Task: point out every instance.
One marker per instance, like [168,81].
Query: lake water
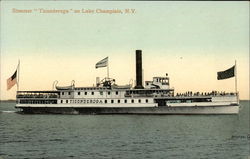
[123,136]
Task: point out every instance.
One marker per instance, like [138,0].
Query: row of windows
[90,88]
[125,101]
[190,100]
[105,101]
[92,93]
[38,101]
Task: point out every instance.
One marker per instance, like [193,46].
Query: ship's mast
[108,70]
[18,72]
[236,90]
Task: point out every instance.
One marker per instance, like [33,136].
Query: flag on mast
[12,81]
[226,74]
[102,63]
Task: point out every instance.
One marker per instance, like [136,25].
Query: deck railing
[39,95]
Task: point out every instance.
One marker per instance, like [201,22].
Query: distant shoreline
[9,100]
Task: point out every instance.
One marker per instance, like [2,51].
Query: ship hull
[164,110]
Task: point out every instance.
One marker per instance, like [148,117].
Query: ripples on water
[123,136]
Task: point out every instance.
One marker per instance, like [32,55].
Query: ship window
[62,93]
[108,93]
[116,92]
[61,101]
[69,93]
[92,93]
[132,101]
[101,92]
[139,101]
[85,93]
[79,93]
[66,101]
[105,101]
[125,101]
[112,101]
[146,100]
[118,101]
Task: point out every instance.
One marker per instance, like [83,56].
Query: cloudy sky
[190,41]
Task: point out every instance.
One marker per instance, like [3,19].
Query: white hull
[134,110]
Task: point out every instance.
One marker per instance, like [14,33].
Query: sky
[191,41]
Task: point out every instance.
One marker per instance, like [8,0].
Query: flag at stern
[12,81]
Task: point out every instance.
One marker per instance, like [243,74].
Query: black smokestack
[138,70]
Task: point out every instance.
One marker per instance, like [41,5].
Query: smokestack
[138,70]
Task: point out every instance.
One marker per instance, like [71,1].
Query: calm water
[123,136]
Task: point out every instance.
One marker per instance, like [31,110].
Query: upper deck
[35,97]
[38,94]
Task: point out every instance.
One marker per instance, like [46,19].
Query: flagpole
[18,71]
[236,91]
[108,70]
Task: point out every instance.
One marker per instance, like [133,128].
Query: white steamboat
[156,97]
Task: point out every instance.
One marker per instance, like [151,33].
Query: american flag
[12,81]
[102,63]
